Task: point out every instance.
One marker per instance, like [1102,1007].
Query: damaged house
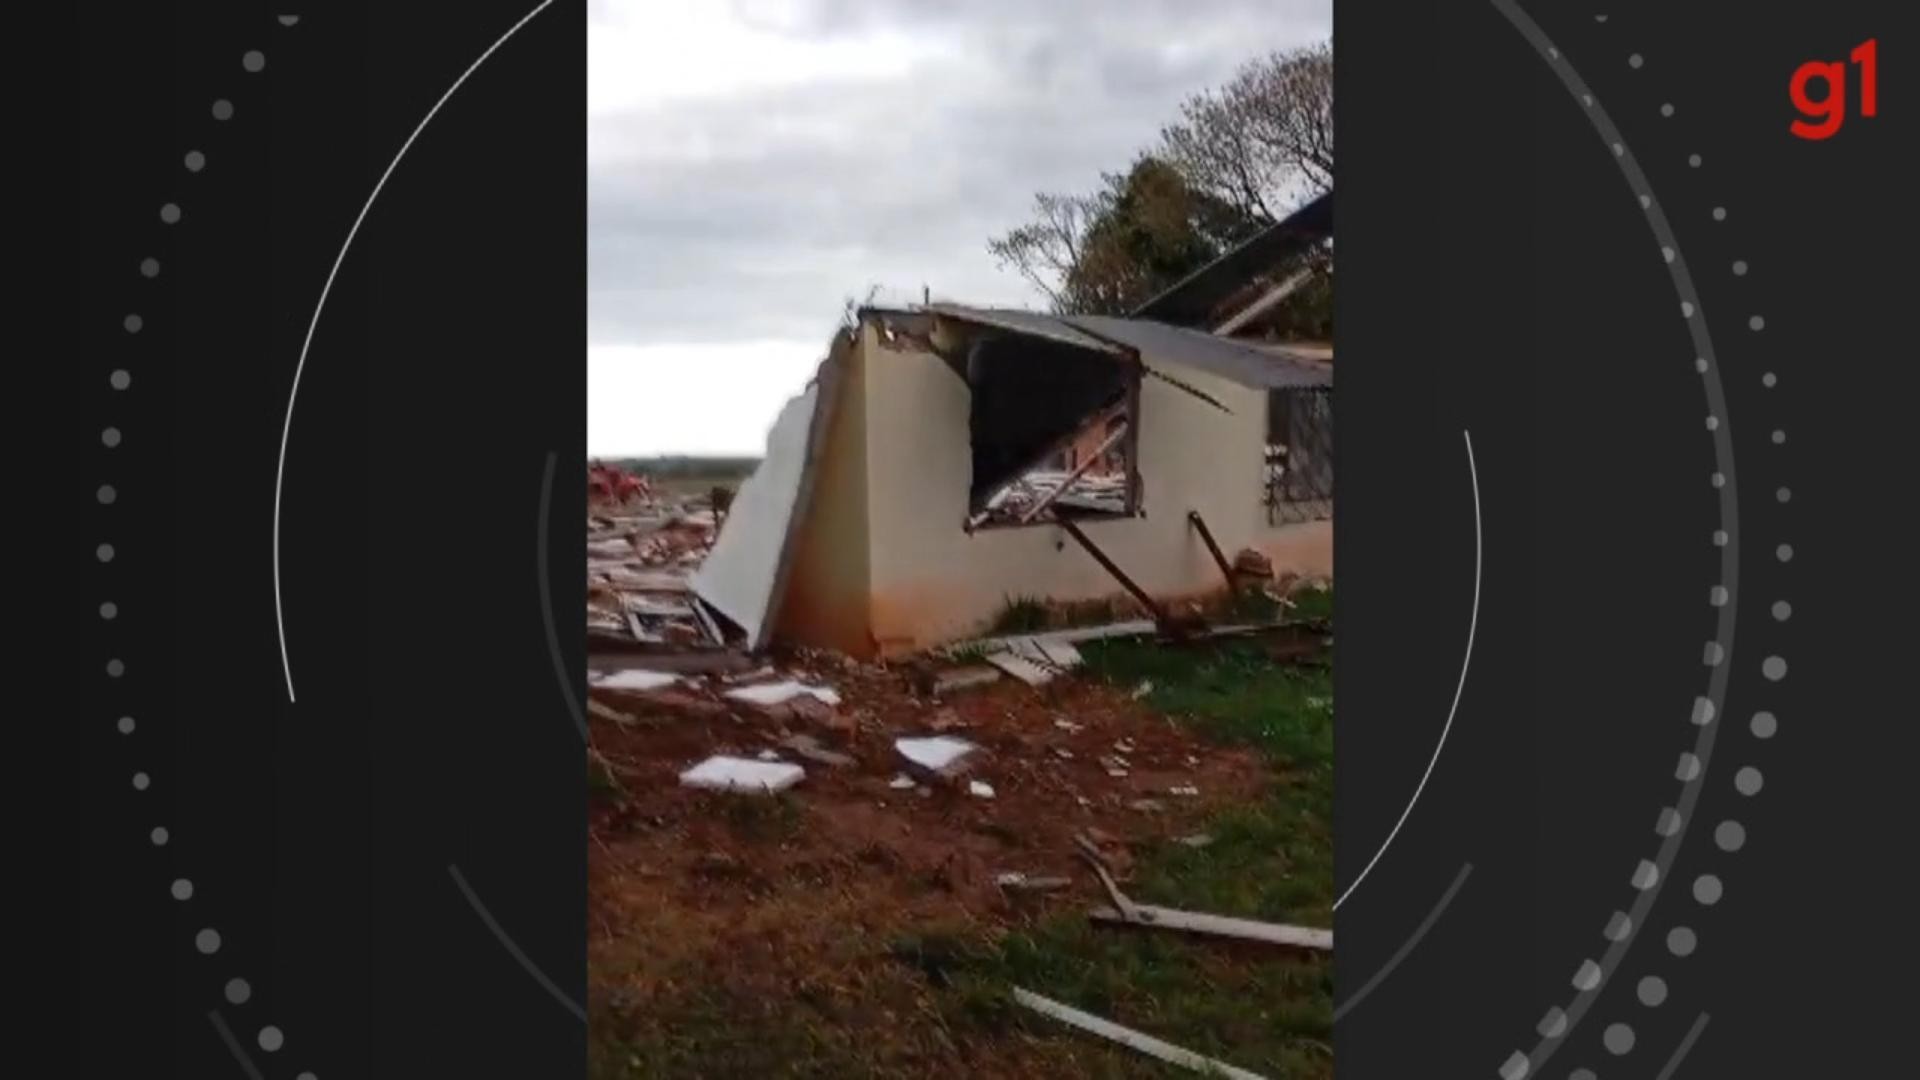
[947,460]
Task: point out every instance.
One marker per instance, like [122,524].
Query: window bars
[1299,467]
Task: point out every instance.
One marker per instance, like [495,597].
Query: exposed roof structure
[1030,323]
[1152,343]
[1249,365]
[1190,301]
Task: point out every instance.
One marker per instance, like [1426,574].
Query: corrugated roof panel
[1158,343]
[1037,324]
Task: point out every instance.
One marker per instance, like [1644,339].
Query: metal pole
[1226,569]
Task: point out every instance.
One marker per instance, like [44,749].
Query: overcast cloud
[751,165]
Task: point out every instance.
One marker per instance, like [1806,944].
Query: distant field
[679,475]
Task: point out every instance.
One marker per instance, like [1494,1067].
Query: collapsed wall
[863,528]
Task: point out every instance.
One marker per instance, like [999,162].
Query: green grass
[1272,859]
[758,818]
[1313,605]
[1022,615]
[601,782]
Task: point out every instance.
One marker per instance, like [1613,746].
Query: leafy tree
[1106,253]
[1235,161]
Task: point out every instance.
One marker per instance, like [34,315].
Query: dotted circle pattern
[208,942]
[1730,835]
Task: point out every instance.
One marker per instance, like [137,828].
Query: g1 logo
[1823,118]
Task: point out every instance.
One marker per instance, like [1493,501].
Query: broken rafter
[706,620]
[1265,304]
[1148,915]
[1074,476]
[1128,1037]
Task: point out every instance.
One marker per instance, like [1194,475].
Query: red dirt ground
[756,902]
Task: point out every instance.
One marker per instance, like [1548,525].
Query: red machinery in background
[610,483]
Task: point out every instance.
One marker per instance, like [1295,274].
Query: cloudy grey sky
[751,164]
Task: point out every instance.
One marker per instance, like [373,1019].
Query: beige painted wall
[1305,549]
[827,588]
[931,582]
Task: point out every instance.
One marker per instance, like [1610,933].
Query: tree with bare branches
[1108,252]
[1264,136]
[1046,249]
[1237,158]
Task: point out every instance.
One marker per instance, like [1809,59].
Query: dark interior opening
[1028,396]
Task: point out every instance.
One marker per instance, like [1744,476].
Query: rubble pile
[865,729]
[640,556]
[1099,493]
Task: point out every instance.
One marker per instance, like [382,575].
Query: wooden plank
[1146,1044]
[1073,636]
[707,623]
[1264,304]
[1148,915]
[1078,471]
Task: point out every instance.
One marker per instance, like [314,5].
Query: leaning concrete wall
[826,598]
[932,582]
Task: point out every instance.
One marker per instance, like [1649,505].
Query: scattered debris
[1145,688]
[598,708]
[782,692]
[1035,660]
[610,549]
[808,747]
[1183,789]
[634,679]
[1197,840]
[1147,806]
[939,753]
[966,678]
[1135,914]
[980,790]
[1219,926]
[1063,753]
[946,720]
[763,673]
[720,773]
[1027,496]
[901,782]
[1091,853]
[768,755]
[1128,1037]
[1067,726]
[1019,881]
